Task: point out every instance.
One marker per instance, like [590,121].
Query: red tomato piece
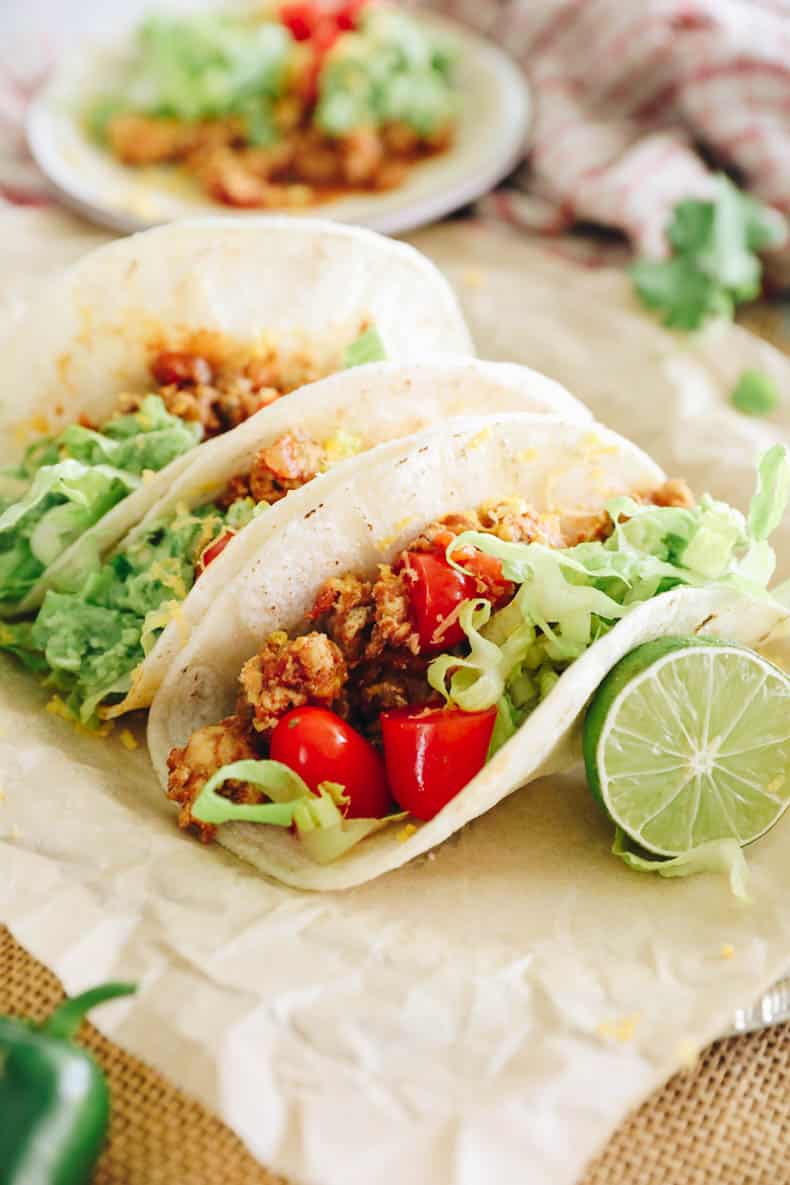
[435,592]
[211,551]
[432,753]
[347,15]
[325,34]
[300,19]
[321,747]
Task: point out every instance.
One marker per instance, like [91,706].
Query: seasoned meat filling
[206,751]
[291,461]
[363,654]
[286,174]
[220,397]
[289,673]
[287,464]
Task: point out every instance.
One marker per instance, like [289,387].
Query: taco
[452,604]
[154,344]
[106,634]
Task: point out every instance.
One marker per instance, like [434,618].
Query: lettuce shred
[317,818]
[567,598]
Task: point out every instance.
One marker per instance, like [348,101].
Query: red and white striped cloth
[624,92]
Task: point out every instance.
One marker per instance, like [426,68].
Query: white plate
[491,137]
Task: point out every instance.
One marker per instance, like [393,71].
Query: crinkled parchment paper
[488,1014]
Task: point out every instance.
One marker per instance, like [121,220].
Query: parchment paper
[486,1015]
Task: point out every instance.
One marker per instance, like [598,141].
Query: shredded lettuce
[568,598]
[92,633]
[203,66]
[768,504]
[318,818]
[393,70]
[63,501]
[368,347]
[70,481]
[721,855]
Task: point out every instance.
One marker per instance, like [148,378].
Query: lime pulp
[687,741]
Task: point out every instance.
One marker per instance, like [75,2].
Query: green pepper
[54,1101]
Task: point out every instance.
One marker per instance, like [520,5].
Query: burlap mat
[727,1122]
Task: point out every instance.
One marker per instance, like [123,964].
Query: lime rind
[687,742]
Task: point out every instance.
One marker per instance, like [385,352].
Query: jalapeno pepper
[54,1102]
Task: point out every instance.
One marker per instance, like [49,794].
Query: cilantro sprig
[714,263]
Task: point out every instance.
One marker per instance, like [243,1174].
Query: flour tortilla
[378,403]
[299,284]
[374,509]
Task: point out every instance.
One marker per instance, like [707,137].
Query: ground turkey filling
[301,168]
[289,462]
[363,654]
[219,394]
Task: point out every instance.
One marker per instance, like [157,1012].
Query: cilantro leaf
[713,264]
[684,294]
[691,225]
[755,394]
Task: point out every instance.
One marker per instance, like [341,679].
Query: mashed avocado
[72,480]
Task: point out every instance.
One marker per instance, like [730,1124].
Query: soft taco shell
[379,402]
[374,508]
[299,285]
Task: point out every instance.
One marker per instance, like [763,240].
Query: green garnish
[568,598]
[318,818]
[755,394]
[70,481]
[368,347]
[90,641]
[714,263]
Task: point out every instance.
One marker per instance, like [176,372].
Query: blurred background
[634,103]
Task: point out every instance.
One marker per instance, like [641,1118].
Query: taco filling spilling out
[89,642]
[284,107]
[66,483]
[403,683]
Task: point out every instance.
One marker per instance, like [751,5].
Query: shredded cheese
[399,527]
[56,707]
[167,573]
[622,1029]
[37,425]
[687,1053]
[406,833]
[473,277]
[481,438]
[727,950]
[128,739]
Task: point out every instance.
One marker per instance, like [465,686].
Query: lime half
[687,741]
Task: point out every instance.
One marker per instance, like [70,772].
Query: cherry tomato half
[431,753]
[437,590]
[347,15]
[321,747]
[300,19]
[210,553]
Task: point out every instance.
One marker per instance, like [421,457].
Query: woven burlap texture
[727,1122]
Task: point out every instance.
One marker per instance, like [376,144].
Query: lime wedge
[687,741]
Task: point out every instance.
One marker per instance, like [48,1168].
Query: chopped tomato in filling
[366,655]
[219,395]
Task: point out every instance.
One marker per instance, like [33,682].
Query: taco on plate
[154,344]
[105,635]
[421,639]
